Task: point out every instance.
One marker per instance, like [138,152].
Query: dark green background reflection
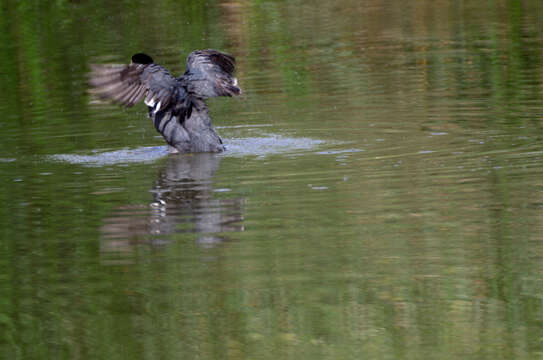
[381,197]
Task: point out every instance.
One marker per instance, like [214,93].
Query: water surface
[381,195]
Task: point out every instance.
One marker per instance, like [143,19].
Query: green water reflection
[381,198]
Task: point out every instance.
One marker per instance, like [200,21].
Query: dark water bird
[176,105]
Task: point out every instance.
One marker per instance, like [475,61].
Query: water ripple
[238,147]
[142,154]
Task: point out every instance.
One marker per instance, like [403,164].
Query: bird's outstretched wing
[210,73]
[129,84]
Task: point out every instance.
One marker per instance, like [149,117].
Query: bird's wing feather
[210,73]
[129,84]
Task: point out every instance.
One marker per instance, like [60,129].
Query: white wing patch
[150,102]
[157,107]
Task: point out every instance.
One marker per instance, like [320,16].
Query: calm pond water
[381,196]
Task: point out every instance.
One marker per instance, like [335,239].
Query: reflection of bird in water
[176,105]
[184,201]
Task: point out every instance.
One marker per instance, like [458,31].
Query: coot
[176,105]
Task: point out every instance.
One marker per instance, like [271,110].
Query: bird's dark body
[176,105]
[191,134]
